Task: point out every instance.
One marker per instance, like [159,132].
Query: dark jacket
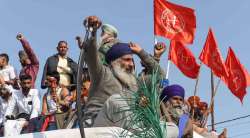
[51,66]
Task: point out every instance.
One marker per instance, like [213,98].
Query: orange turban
[203,105]
[193,99]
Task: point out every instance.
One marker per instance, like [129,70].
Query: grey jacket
[103,82]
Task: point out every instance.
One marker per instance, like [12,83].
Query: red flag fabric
[237,80]
[211,56]
[183,58]
[174,22]
[248,80]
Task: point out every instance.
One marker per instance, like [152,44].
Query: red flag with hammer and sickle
[183,58]
[211,56]
[174,22]
[238,78]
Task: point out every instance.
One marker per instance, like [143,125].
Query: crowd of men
[110,74]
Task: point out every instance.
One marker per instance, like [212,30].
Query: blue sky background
[45,22]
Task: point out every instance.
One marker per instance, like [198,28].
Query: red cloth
[183,58]
[211,56]
[238,78]
[45,124]
[248,79]
[174,22]
[48,119]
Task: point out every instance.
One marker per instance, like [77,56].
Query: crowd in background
[109,74]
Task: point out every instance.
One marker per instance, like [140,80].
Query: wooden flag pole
[212,102]
[195,88]
[197,81]
[216,88]
[210,105]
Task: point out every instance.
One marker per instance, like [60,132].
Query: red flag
[237,80]
[211,56]
[174,22]
[248,80]
[183,58]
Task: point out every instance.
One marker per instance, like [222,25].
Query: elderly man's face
[106,38]
[127,63]
[176,101]
[62,49]
[123,69]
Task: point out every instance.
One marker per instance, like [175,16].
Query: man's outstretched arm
[28,50]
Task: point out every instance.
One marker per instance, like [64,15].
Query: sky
[45,22]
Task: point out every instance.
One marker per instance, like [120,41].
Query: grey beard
[126,78]
[176,112]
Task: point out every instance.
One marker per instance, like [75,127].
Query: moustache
[177,106]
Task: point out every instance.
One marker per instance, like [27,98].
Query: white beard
[127,78]
[176,112]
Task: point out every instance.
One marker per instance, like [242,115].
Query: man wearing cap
[28,59]
[64,65]
[116,77]
[107,40]
[173,98]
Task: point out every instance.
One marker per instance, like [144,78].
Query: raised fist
[159,49]
[19,36]
[92,22]
[79,41]
[78,38]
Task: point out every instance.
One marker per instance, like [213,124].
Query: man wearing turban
[117,76]
[194,111]
[173,98]
[108,38]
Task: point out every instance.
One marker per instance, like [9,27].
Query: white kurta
[8,73]
[29,105]
[4,104]
[63,70]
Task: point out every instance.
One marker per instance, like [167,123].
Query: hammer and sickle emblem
[171,22]
[181,53]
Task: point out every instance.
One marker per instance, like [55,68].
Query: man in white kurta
[7,72]
[26,101]
[5,99]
